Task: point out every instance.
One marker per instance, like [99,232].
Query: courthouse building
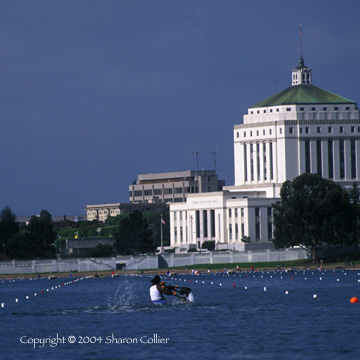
[302,129]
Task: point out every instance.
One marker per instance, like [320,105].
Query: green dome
[303,94]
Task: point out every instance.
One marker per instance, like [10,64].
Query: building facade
[302,129]
[173,186]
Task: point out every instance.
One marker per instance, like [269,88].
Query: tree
[40,236]
[9,230]
[154,220]
[134,235]
[354,194]
[101,250]
[313,212]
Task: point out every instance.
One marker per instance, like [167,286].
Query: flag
[163,221]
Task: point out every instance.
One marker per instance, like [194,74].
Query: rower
[157,290]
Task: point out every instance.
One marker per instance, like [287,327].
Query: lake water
[260,315]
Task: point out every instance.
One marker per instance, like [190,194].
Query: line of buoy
[27,297]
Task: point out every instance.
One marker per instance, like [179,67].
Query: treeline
[36,240]
[134,233]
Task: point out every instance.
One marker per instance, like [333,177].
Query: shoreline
[173,271]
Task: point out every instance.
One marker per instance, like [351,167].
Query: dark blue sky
[93,93]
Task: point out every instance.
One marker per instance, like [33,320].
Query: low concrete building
[172,187]
[103,211]
[82,246]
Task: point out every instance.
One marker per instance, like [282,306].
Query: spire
[302,74]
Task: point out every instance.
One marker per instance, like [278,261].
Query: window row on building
[341,129]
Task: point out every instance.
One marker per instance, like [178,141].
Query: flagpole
[162,243]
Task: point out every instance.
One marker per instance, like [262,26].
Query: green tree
[41,236]
[101,250]
[9,231]
[154,220]
[134,235]
[313,212]
[354,194]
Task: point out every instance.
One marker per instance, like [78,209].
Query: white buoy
[16,300]
[286,292]
[27,297]
[264,288]
[35,294]
[245,287]
[2,305]
[314,296]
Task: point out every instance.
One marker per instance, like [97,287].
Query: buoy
[354,300]
[286,292]
[264,288]
[233,285]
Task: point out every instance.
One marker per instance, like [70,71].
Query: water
[266,315]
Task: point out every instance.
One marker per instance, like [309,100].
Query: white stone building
[302,129]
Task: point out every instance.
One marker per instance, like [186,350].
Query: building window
[290,130]
[236,212]
[271,161]
[300,130]
[313,109]
[336,108]
[306,130]
[257,231]
[347,108]
[324,108]
[264,161]
[229,213]
[307,156]
[341,129]
[237,134]
[245,164]
[244,133]
[353,129]
[270,131]
[329,129]
[205,227]
[288,109]
[302,109]
[212,222]
[258,160]
[353,159]
[318,129]
[342,159]
[252,161]
[318,157]
[330,159]
[197,223]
